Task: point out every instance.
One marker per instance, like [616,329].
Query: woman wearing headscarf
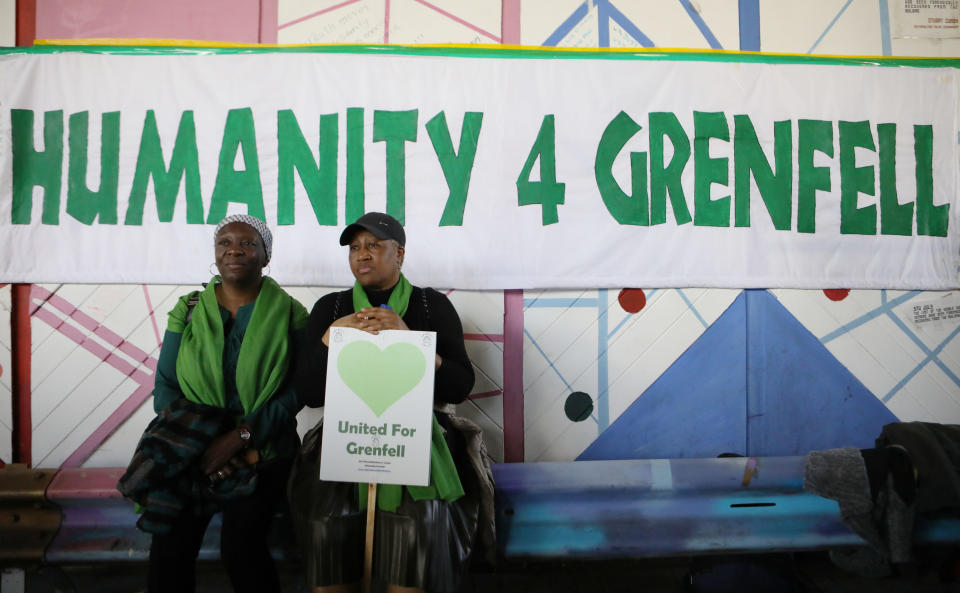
[424,535]
[225,432]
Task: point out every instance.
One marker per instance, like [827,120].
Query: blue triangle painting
[756,383]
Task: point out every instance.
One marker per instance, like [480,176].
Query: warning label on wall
[942,311]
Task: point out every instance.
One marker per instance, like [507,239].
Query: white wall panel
[77,415]
[315,22]
[69,364]
[584,33]
[669,25]
[8,27]
[539,18]
[845,27]
[460,22]
[117,450]
[878,343]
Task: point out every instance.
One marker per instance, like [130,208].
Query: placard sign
[379,404]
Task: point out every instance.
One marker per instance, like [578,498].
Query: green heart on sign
[381,377]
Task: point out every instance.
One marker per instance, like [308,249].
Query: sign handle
[368,549]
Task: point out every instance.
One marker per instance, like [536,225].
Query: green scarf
[265,354]
[444,481]
[399,299]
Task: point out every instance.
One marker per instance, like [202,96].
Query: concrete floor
[799,573]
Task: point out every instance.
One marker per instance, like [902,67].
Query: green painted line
[506,52]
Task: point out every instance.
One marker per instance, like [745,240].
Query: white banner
[509,169]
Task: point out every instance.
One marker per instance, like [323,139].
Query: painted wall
[214,20]
[8,20]
[631,372]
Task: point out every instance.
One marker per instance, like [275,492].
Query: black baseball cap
[383,226]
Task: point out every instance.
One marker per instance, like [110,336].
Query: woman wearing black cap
[420,543]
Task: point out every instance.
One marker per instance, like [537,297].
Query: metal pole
[20,379]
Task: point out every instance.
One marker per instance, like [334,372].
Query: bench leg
[13,580]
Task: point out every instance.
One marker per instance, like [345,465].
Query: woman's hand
[377,319]
[220,451]
[369,319]
[243,458]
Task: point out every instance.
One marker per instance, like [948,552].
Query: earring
[214,271]
[267,272]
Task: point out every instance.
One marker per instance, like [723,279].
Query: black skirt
[424,543]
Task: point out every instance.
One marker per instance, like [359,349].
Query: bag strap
[191,303]
[426,307]
[336,307]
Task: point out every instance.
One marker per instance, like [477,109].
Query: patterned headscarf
[257,224]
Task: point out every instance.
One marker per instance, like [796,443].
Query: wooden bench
[99,525]
[671,507]
[548,510]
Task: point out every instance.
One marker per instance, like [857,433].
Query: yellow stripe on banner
[659,51]
[107,45]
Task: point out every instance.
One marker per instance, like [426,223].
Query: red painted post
[20,307]
[26,21]
[513,425]
[20,379]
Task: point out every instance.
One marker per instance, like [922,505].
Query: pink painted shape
[71,332]
[120,364]
[95,348]
[132,351]
[38,298]
[74,483]
[109,426]
[87,322]
[132,403]
[209,20]
[153,317]
[486,394]
[108,336]
[510,22]
[386,21]
[316,14]
[513,424]
[457,19]
[268,21]
[484,337]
